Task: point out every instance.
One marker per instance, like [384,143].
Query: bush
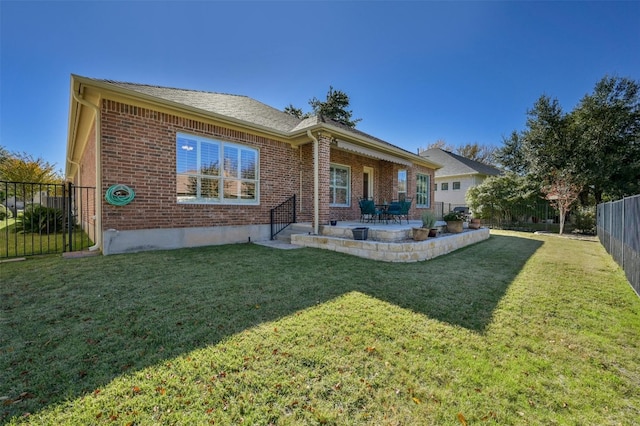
[40,219]
[5,212]
[454,216]
[584,219]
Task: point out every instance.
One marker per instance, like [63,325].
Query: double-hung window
[444,186]
[339,185]
[213,171]
[456,186]
[423,187]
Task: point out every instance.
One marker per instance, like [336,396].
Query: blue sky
[415,71]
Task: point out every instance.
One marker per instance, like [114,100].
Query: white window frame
[222,176]
[444,186]
[403,177]
[427,194]
[332,181]
[454,186]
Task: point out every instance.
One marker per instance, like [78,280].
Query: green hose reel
[119,195]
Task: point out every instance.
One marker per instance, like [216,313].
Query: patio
[386,242]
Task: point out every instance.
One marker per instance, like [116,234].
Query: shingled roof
[456,165]
[235,106]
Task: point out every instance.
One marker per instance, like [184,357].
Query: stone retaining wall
[401,251]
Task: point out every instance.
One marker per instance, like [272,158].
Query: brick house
[207,168]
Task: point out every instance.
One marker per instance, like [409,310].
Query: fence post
[69,216]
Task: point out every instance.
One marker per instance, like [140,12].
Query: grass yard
[518,329]
[15,244]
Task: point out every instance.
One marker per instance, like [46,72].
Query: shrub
[585,219]
[5,212]
[40,219]
[454,216]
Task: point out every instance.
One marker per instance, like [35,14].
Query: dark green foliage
[38,219]
[5,213]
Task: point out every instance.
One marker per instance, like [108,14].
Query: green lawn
[16,244]
[518,329]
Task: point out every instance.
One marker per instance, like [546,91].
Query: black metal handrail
[283,216]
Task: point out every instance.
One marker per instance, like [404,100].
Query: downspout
[75,164]
[98,200]
[316,191]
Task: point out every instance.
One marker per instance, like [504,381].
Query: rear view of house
[201,168]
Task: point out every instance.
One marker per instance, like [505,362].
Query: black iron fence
[618,224]
[45,218]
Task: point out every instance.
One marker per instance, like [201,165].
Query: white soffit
[371,153]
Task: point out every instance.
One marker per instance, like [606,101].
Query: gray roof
[455,165]
[239,107]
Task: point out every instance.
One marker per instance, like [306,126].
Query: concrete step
[294,228]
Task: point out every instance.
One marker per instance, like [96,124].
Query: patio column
[322,189]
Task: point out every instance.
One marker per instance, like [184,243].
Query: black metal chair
[368,211]
[399,209]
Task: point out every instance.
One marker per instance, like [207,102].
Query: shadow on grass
[72,326]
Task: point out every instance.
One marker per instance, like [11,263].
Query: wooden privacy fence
[45,218]
[618,225]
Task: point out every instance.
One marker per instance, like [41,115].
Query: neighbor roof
[455,165]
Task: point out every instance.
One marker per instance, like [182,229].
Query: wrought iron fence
[45,218]
[618,224]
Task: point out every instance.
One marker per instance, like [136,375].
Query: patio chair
[399,209]
[368,211]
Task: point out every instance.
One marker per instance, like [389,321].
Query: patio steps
[294,228]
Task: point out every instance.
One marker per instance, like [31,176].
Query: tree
[22,167]
[503,196]
[473,151]
[335,107]
[561,191]
[296,112]
[4,154]
[511,155]
[607,125]
[476,152]
[598,143]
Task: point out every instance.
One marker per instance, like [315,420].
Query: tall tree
[511,155]
[335,107]
[548,143]
[607,125]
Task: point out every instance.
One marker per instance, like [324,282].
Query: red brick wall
[138,150]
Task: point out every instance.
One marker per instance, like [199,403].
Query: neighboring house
[207,168]
[456,176]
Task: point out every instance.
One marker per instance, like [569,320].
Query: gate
[45,218]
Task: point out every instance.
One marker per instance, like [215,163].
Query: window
[444,186]
[423,186]
[402,184]
[339,184]
[456,185]
[212,171]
